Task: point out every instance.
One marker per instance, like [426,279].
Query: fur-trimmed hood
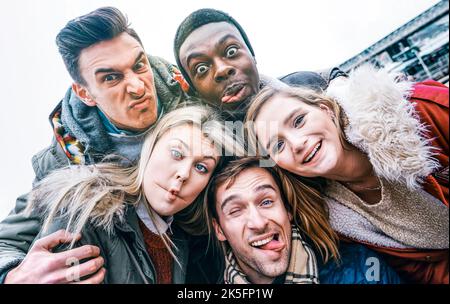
[385,125]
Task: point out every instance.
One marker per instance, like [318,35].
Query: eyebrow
[192,56]
[232,197]
[285,122]
[187,148]
[222,40]
[225,38]
[110,70]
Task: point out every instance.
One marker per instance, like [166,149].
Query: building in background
[419,49]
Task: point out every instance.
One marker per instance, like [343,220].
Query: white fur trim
[384,124]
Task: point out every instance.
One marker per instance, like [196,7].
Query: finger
[76,272]
[95,279]
[74,256]
[54,239]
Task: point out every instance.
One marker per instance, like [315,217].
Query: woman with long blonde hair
[129,212]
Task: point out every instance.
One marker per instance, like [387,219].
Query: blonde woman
[128,212]
[375,140]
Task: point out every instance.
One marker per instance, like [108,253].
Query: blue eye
[201,168]
[176,154]
[266,203]
[298,120]
[231,51]
[278,147]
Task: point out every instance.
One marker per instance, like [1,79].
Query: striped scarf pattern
[302,267]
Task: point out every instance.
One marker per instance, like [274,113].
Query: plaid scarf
[302,267]
[71,146]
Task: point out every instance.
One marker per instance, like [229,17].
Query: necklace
[359,188]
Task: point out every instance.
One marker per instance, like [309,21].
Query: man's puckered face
[120,82]
[220,64]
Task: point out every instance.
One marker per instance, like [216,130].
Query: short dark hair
[104,23]
[196,20]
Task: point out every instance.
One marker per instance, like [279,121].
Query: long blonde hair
[96,193]
[304,201]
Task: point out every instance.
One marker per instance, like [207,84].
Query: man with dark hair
[118,93]
[216,58]
[250,210]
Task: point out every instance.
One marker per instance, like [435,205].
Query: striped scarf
[302,267]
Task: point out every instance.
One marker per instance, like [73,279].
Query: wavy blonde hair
[96,193]
[309,210]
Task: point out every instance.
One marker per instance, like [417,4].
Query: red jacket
[431,100]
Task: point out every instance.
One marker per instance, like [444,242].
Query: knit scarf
[302,267]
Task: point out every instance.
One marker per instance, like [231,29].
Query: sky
[287,35]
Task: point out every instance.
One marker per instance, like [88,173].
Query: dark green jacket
[17,231]
[124,252]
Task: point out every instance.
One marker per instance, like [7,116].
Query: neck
[257,278]
[355,171]
[253,275]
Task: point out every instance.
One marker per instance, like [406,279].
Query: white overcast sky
[286,36]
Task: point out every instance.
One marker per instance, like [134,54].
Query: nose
[256,221]
[297,143]
[136,87]
[182,174]
[223,71]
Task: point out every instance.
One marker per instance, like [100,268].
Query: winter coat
[403,128]
[123,248]
[81,123]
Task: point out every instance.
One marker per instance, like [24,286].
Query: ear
[327,109]
[291,218]
[219,233]
[83,94]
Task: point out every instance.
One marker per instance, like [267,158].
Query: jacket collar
[383,123]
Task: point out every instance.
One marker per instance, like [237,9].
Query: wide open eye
[231,51]
[201,69]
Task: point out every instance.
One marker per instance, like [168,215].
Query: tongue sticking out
[272,245]
[234,96]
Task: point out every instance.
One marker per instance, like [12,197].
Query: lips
[234,92]
[135,103]
[171,194]
[312,153]
[270,242]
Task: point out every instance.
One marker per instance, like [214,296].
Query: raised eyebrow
[193,56]
[261,188]
[223,39]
